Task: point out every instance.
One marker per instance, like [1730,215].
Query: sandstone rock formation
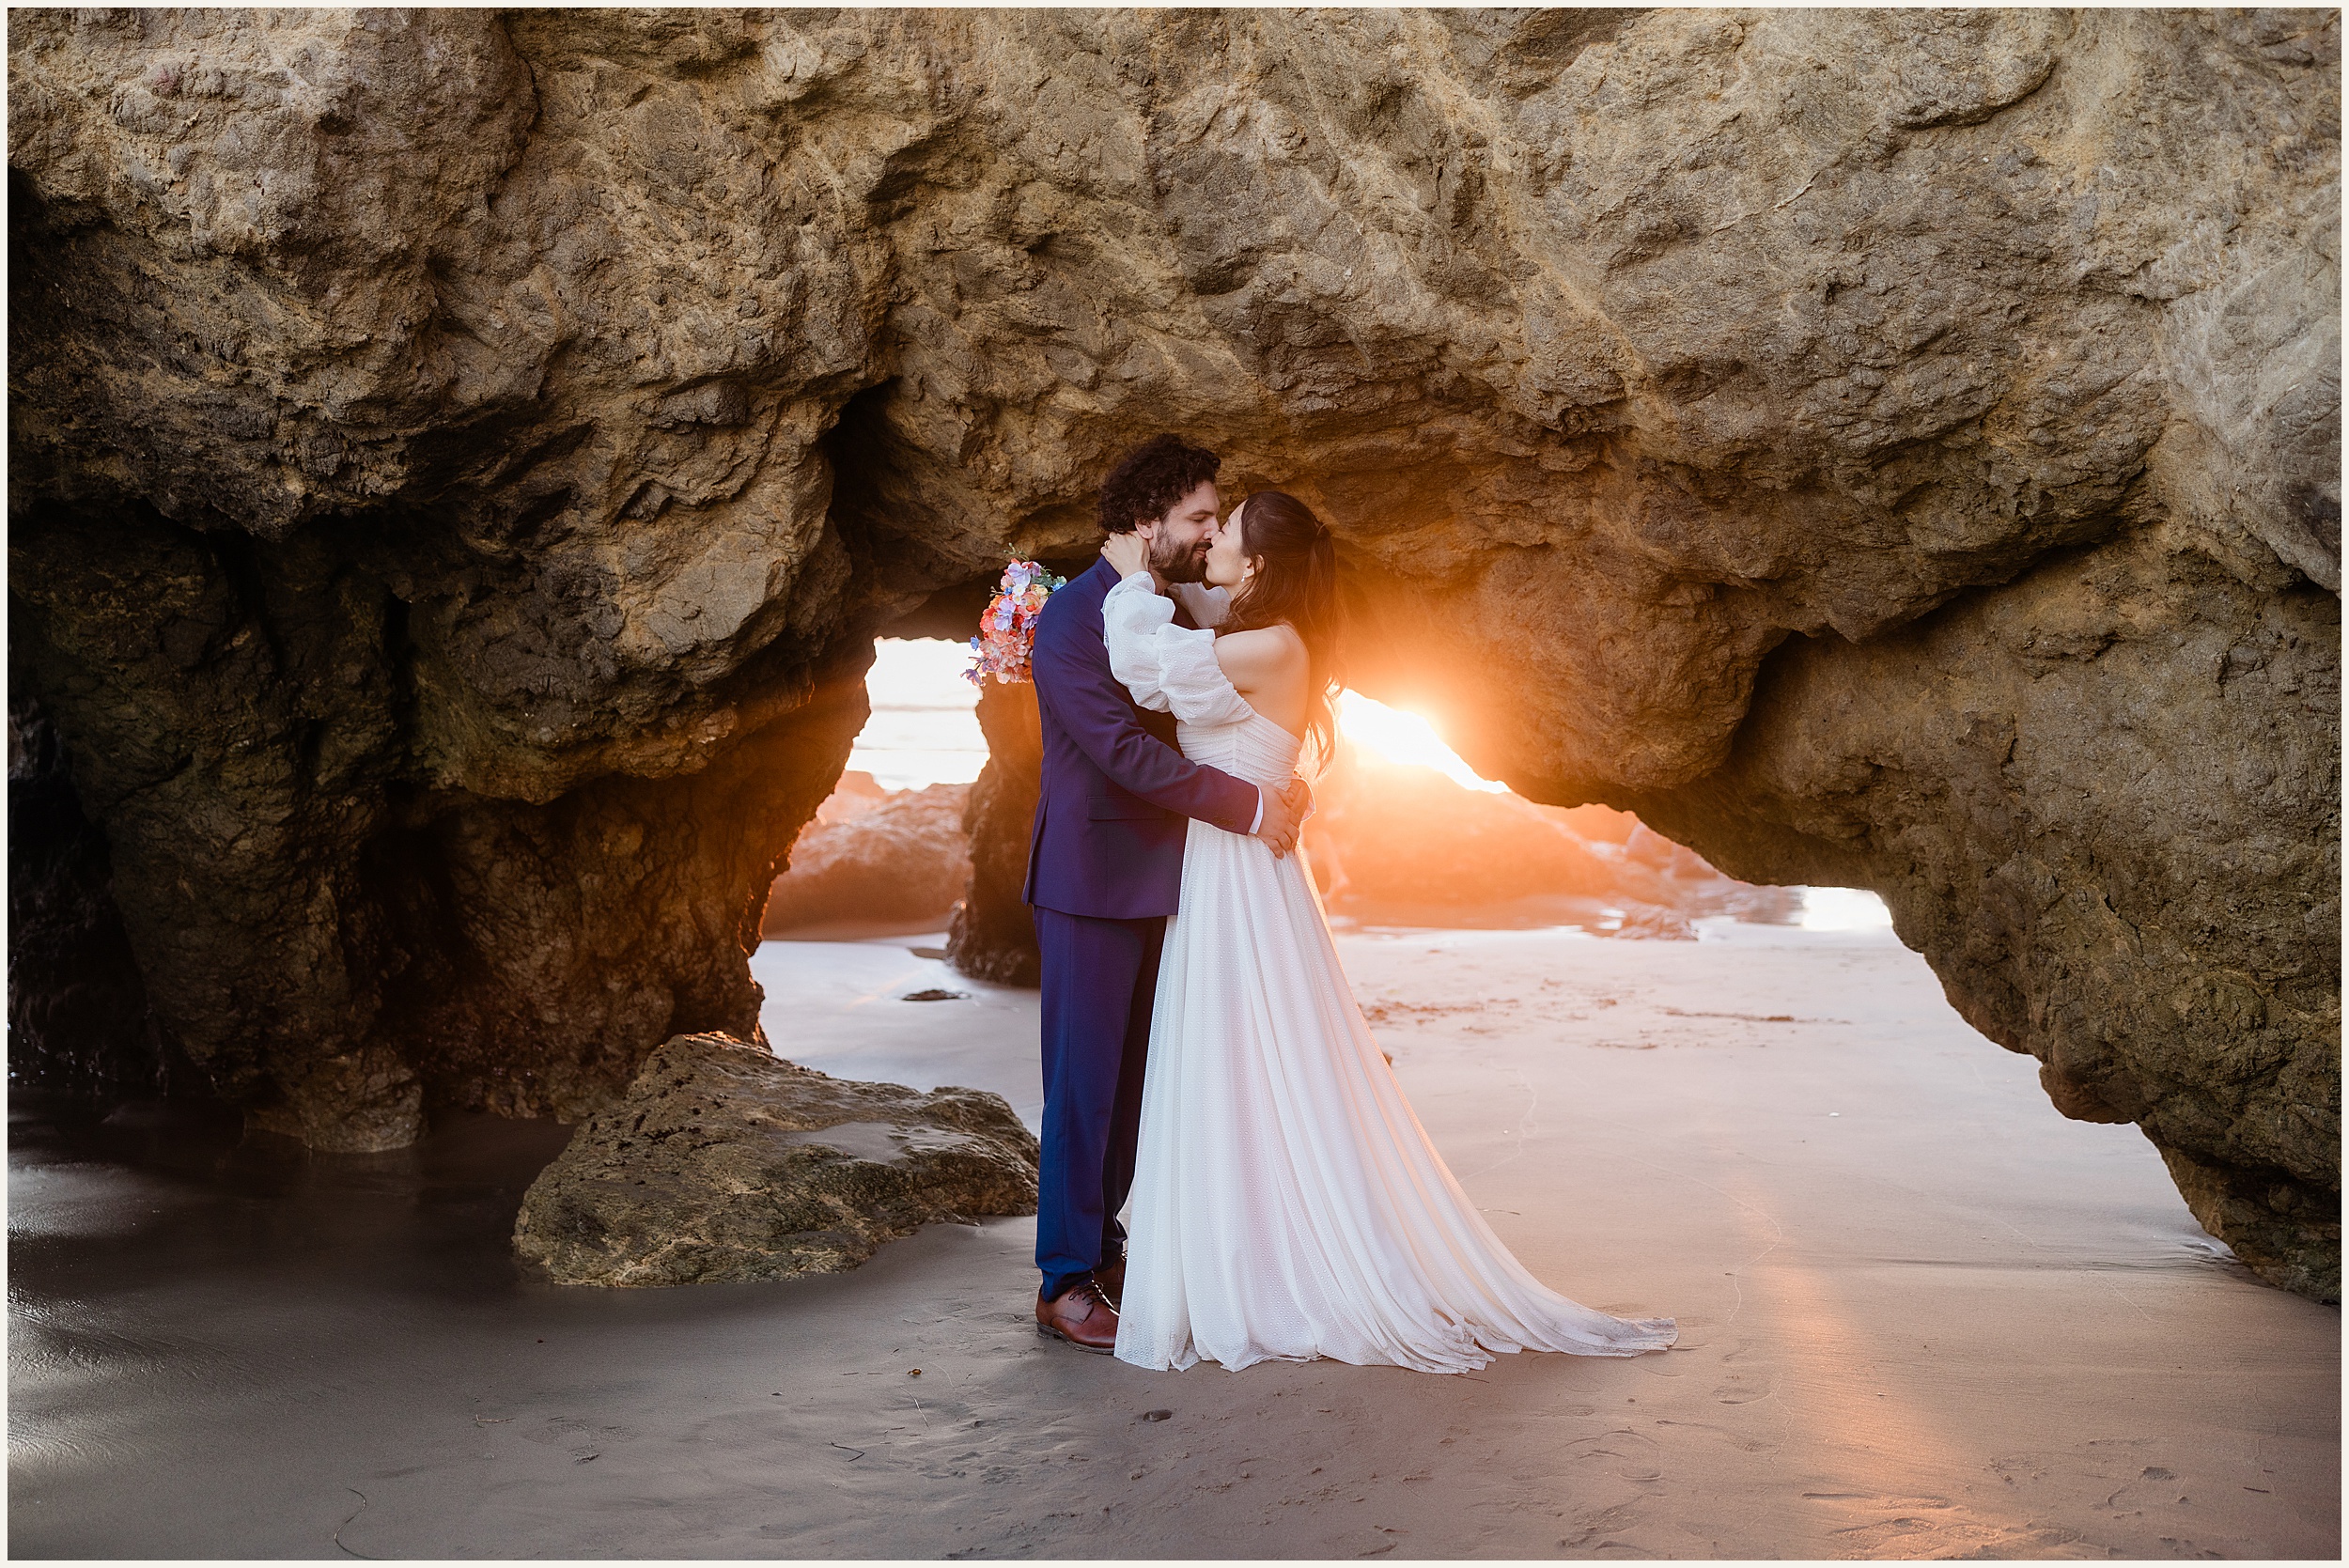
[71,974]
[1406,844]
[992,936]
[903,859]
[723,1163]
[1410,835]
[458,457]
[2115,830]
[857,793]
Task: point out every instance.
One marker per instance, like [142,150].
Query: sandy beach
[1923,1315]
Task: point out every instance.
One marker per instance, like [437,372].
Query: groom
[1104,868]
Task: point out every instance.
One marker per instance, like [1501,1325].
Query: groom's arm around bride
[1142,770]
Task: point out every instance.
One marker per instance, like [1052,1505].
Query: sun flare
[1405,737]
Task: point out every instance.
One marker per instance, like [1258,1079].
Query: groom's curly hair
[1147,481]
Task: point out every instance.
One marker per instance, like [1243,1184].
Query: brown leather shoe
[1082,1316]
[1113,1281]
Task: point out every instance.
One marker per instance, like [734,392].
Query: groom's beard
[1180,563]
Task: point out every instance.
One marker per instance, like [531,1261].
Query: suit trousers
[1100,977]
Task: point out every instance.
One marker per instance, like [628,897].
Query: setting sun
[1405,737]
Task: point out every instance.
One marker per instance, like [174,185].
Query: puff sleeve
[1167,668]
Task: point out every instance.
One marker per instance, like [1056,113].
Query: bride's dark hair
[1295,581]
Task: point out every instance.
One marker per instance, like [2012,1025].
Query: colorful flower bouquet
[1007,628]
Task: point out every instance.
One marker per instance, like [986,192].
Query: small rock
[1656,924]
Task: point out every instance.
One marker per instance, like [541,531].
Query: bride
[1286,1204]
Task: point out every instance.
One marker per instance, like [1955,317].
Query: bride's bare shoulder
[1265,654]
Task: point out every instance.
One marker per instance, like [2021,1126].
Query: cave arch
[1840,440]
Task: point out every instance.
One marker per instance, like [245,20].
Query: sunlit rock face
[458,460]
[2111,815]
[992,936]
[904,857]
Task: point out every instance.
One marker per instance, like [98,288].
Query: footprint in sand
[586,1442]
[1884,1526]
[1737,1440]
[1740,1386]
[1634,1453]
[1600,1528]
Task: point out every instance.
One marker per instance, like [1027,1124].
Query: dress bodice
[1251,747]
[1173,669]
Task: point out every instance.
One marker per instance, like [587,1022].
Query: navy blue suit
[1105,867]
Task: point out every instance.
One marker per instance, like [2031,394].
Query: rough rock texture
[71,974]
[857,793]
[2127,774]
[723,1163]
[992,936]
[458,456]
[904,859]
[327,931]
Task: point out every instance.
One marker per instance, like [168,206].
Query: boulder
[1652,850]
[1406,844]
[1599,824]
[1384,834]
[723,1163]
[857,793]
[902,858]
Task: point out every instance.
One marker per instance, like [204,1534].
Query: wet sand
[1923,1315]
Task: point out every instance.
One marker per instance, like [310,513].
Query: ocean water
[925,727]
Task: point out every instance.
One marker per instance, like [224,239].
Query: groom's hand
[1280,821]
[1300,796]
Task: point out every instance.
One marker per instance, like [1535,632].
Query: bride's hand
[1126,554]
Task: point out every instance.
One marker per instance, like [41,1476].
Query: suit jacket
[1110,820]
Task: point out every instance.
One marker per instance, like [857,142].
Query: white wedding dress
[1286,1204]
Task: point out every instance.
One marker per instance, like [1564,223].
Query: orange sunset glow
[923,730]
[1398,736]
